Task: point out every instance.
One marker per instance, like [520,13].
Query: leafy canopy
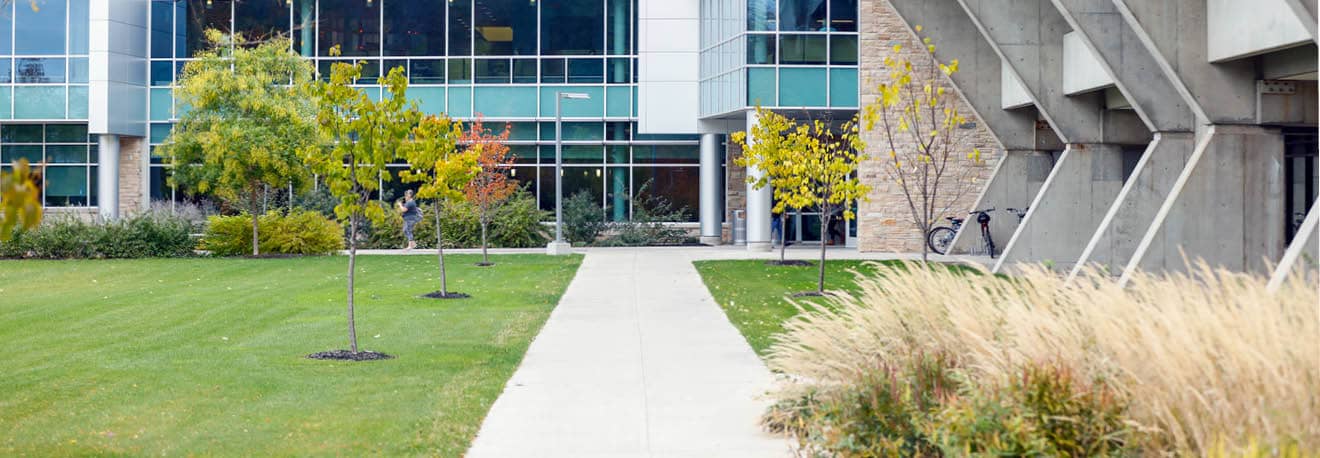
[20,199]
[365,135]
[436,161]
[491,186]
[250,119]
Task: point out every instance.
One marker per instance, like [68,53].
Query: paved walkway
[637,360]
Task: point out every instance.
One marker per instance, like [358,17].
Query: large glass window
[38,70]
[843,15]
[79,34]
[304,27]
[762,15]
[572,27]
[802,49]
[505,28]
[415,27]
[680,186]
[353,25]
[40,30]
[68,158]
[617,20]
[261,19]
[460,27]
[162,29]
[802,15]
[203,15]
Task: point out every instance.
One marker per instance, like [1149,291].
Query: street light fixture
[559,246]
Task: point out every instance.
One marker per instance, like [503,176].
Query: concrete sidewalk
[636,361]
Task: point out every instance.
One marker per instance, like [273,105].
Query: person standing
[411,215]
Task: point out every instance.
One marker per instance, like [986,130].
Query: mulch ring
[345,355]
[811,294]
[485,264]
[448,295]
[789,263]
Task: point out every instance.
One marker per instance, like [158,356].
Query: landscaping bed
[209,356]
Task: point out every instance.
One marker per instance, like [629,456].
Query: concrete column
[1126,222]
[712,188]
[1014,184]
[1068,208]
[1226,207]
[107,175]
[759,201]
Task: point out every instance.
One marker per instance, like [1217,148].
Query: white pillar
[712,189]
[107,175]
[759,201]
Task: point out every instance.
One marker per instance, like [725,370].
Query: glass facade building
[778,54]
[502,60]
[43,97]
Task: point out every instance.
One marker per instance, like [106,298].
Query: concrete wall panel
[1272,24]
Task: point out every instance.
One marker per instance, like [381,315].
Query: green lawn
[206,356]
[755,295]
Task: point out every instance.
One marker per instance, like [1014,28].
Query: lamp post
[559,246]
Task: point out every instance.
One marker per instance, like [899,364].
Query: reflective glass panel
[843,49]
[761,49]
[505,28]
[493,71]
[802,87]
[586,71]
[203,15]
[66,133]
[460,27]
[261,19]
[617,20]
[553,71]
[40,31]
[353,25]
[6,71]
[524,71]
[12,153]
[304,27]
[679,186]
[21,133]
[427,71]
[39,102]
[802,49]
[460,71]
[843,87]
[162,29]
[414,27]
[66,186]
[78,102]
[162,73]
[616,193]
[79,33]
[38,70]
[802,15]
[66,154]
[762,15]
[6,35]
[620,70]
[843,15]
[572,27]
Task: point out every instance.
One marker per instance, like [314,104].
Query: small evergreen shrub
[149,235]
[584,218]
[301,232]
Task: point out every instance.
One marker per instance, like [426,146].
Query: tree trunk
[783,235]
[440,250]
[824,232]
[485,259]
[255,250]
[352,261]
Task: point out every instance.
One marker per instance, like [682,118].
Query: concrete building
[1135,132]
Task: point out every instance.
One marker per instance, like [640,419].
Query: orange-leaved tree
[491,187]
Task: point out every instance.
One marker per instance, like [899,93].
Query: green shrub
[302,232]
[1044,412]
[584,218]
[151,234]
[517,224]
[649,225]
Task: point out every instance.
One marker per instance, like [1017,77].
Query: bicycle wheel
[939,239]
[989,242]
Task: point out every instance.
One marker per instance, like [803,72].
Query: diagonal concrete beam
[1303,255]
[1306,11]
[1028,35]
[978,80]
[1129,64]
[1174,32]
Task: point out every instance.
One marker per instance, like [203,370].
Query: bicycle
[939,239]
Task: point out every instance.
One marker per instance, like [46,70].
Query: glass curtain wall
[779,54]
[43,61]
[503,60]
[66,156]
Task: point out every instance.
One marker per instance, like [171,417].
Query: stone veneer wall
[735,185]
[886,221]
[132,173]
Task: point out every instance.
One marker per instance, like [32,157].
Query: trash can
[740,227]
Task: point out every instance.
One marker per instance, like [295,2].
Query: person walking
[411,215]
[776,229]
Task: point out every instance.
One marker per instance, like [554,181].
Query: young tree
[443,171]
[365,136]
[772,149]
[491,186]
[920,122]
[20,200]
[826,176]
[250,122]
